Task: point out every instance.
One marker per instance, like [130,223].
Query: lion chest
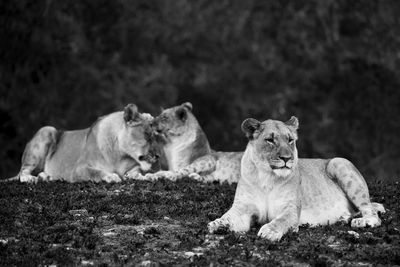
[275,203]
[177,156]
[271,200]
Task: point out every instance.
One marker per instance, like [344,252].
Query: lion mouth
[161,135]
[280,167]
[159,132]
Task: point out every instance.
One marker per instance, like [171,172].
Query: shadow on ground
[164,223]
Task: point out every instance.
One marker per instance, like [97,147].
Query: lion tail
[11,179]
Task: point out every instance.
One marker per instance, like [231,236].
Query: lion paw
[133,175]
[161,174]
[371,221]
[112,178]
[137,176]
[44,177]
[196,176]
[268,232]
[150,177]
[217,224]
[27,178]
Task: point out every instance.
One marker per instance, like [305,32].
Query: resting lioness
[188,152]
[112,146]
[278,188]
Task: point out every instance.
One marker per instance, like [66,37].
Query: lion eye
[270,140]
[291,140]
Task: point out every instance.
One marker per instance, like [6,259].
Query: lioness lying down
[187,151]
[284,191]
[112,146]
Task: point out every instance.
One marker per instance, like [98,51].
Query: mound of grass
[164,223]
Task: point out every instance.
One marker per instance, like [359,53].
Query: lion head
[136,137]
[173,122]
[273,144]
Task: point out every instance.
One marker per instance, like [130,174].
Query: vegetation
[334,64]
[164,223]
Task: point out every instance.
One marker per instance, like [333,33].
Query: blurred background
[333,64]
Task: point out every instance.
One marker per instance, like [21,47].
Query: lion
[116,145]
[187,150]
[282,191]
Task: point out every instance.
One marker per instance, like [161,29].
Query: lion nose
[157,127]
[284,158]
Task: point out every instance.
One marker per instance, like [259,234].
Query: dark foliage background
[334,64]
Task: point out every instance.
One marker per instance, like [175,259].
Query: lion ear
[249,126]
[293,122]
[181,113]
[188,105]
[131,113]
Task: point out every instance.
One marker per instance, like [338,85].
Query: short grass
[164,223]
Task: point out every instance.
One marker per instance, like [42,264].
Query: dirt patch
[164,223]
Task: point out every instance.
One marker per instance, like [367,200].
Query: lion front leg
[134,174]
[236,219]
[88,173]
[354,186]
[200,166]
[288,219]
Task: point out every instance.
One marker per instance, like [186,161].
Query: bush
[334,64]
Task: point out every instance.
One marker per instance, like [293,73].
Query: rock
[148,263]
[353,233]
[330,239]
[87,262]
[79,213]
[191,254]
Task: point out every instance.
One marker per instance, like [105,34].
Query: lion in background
[283,191]
[116,145]
[187,151]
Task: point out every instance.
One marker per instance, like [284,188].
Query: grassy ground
[164,223]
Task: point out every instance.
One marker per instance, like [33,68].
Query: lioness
[112,146]
[278,188]
[188,152]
